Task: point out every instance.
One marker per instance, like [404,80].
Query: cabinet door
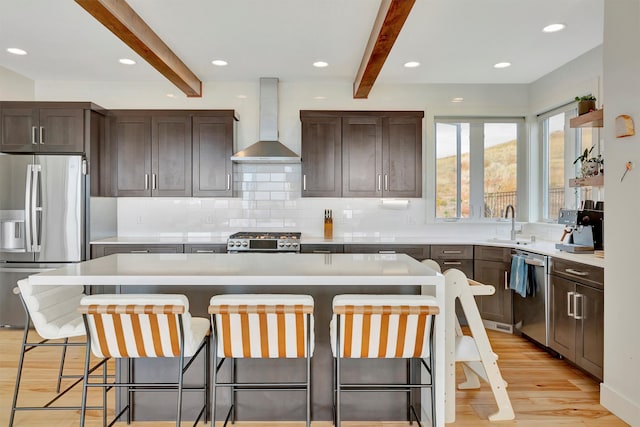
[171,155]
[98,251]
[212,151]
[590,329]
[131,140]
[321,249]
[321,157]
[205,249]
[499,306]
[402,157]
[19,130]
[61,130]
[362,157]
[563,325]
[418,252]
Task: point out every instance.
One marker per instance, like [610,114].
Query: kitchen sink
[511,242]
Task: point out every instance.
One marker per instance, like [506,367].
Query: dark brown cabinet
[418,252]
[131,144]
[212,150]
[577,314]
[492,266]
[101,250]
[220,248]
[454,256]
[362,153]
[320,248]
[32,127]
[321,156]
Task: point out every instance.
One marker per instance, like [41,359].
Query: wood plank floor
[544,391]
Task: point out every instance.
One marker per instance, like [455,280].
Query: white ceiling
[456,41]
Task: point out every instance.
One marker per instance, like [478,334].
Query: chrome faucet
[513,220]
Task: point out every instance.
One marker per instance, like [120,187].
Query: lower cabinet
[320,248]
[98,251]
[455,256]
[492,266]
[577,322]
[205,249]
[418,252]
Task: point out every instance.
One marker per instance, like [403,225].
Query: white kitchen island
[200,276]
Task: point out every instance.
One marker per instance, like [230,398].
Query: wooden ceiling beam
[390,20]
[129,27]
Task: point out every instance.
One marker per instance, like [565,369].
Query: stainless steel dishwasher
[531,314]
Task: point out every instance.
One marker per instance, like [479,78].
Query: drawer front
[205,249]
[321,249]
[464,265]
[492,253]
[457,252]
[418,252]
[104,250]
[578,272]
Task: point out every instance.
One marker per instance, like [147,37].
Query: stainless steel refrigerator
[43,210]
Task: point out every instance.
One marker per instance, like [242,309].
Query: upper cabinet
[44,127]
[362,153]
[171,153]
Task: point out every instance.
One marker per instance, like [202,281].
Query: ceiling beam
[391,17]
[129,27]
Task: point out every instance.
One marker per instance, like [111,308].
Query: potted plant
[586,104]
[590,165]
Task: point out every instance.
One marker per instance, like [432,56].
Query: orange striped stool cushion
[383,326]
[141,325]
[262,325]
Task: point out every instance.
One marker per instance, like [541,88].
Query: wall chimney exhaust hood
[268,149]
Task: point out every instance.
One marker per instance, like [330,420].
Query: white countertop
[244,269]
[540,247]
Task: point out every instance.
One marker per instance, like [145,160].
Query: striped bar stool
[384,326]
[261,326]
[53,312]
[139,326]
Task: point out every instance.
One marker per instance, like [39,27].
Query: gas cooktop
[255,241]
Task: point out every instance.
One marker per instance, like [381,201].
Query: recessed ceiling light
[127,61]
[502,65]
[320,97]
[412,64]
[320,64]
[171,95]
[553,28]
[219,62]
[16,51]
[241,96]
[458,99]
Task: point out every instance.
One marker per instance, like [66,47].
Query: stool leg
[19,374]
[64,353]
[409,391]
[234,380]
[83,404]
[308,384]
[104,394]
[337,376]
[180,381]
[207,358]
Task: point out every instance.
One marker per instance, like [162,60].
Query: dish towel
[519,273]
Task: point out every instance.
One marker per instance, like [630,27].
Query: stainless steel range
[251,241]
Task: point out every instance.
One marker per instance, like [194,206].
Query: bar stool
[143,326]
[53,312]
[261,326]
[384,326]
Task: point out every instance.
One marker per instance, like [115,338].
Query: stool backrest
[124,326]
[53,309]
[384,326]
[262,326]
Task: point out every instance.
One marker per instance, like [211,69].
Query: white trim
[620,405]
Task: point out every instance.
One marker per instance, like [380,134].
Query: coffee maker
[585,228]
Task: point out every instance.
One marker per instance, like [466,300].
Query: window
[560,146]
[476,166]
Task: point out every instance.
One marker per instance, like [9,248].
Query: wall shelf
[592,119]
[590,181]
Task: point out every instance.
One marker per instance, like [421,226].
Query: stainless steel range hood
[268,149]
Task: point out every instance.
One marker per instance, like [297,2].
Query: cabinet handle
[228,181]
[506,280]
[321,251]
[576,305]
[146,181]
[386,252]
[576,272]
[41,134]
[386,182]
[452,263]
[569,300]
[145,251]
[34,135]
[203,251]
[452,252]
[304,182]
[153,181]
[379,182]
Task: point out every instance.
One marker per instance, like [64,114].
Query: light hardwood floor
[544,391]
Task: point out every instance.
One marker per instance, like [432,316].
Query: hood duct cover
[268,149]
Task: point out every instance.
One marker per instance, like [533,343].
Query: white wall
[15,87]
[621,389]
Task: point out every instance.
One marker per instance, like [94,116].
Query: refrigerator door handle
[35,209]
[27,209]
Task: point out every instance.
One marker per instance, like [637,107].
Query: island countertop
[244,269]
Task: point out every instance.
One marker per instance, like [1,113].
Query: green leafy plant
[584,157]
[585,98]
